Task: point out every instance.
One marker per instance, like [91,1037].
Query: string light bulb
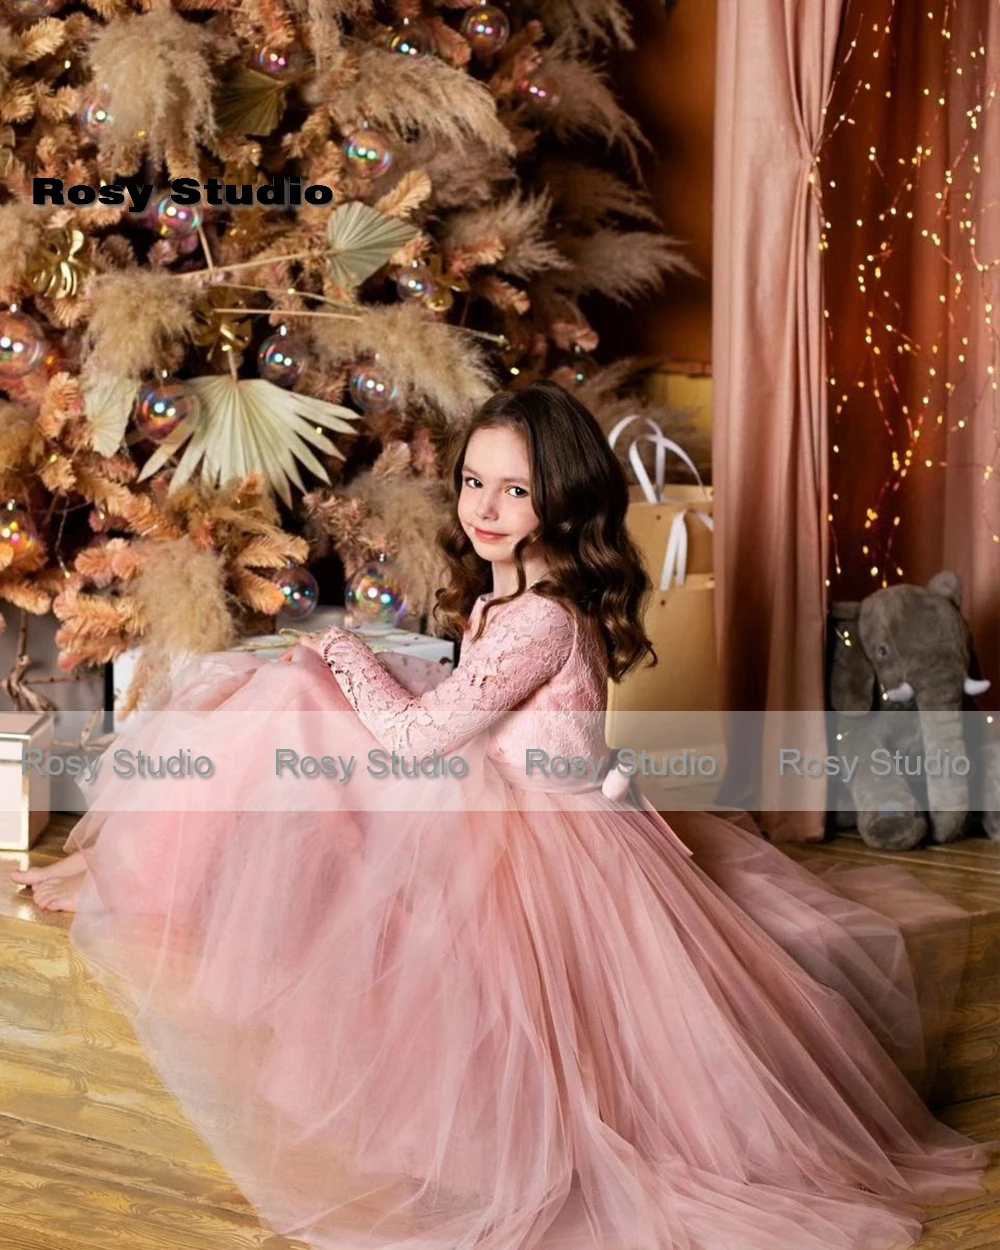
[924,184]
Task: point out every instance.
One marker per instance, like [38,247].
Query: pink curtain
[972,477]
[775,67]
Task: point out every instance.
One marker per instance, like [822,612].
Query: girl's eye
[474,483]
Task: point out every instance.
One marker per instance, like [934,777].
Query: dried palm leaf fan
[108,401]
[250,425]
[361,240]
[248,102]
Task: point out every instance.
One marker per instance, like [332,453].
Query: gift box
[25,793]
[672,525]
[398,642]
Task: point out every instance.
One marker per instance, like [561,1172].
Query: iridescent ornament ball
[411,39]
[176,220]
[276,61]
[95,117]
[486,28]
[539,90]
[368,151]
[283,359]
[300,588]
[576,372]
[22,344]
[417,282]
[161,407]
[374,597]
[372,389]
[17,529]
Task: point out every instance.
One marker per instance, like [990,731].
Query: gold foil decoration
[7,140]
[244,166]
[441,299]
[56,269]
[225,335]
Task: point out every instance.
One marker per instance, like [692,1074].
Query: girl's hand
[315,641]
[312,642]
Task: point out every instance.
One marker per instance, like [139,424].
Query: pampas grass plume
[181,590]
[136,314]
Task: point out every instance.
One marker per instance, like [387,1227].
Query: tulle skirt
[559,1024]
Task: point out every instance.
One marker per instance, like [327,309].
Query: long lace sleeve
[525,643]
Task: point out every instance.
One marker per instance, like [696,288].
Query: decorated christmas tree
[257,259]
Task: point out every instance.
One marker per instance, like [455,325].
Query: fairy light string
[918,210]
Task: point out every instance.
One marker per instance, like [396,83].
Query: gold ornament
[441,298]
[226,335]
[244,165]
[56,269]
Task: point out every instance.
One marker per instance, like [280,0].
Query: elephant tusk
[972,686]
[900,694]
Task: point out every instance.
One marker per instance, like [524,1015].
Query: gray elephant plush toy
[907,649]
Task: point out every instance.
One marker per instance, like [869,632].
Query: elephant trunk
[945,771]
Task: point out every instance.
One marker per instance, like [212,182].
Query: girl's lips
[487,535]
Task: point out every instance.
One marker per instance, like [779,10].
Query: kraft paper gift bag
[672,711]
[680,623]
[657,503]
[673,528]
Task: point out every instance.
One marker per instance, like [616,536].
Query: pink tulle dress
[552,1022]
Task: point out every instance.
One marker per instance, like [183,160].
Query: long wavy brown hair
[580,497]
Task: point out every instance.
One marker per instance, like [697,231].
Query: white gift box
[25,797]
[399,642]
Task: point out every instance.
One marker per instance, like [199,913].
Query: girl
[543,1022]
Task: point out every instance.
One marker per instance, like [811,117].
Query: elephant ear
[852,678]
[948,584]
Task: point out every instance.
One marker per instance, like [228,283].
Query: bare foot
[59,893]
[68,867]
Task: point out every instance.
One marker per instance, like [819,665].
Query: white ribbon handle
[655,494]
[662,444]
[675,558]
[625,422]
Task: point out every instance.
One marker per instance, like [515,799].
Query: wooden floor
[95,1154]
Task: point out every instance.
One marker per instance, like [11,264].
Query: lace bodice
[536,659]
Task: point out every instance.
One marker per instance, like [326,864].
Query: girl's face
[495,507]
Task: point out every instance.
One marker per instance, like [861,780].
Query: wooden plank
[98,1162]
[133,1119]
[979,1119]
[968,1068]
[974,847]
[974,856]
[978,1229]
[968,878]
[95,1153]
[76,1212]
